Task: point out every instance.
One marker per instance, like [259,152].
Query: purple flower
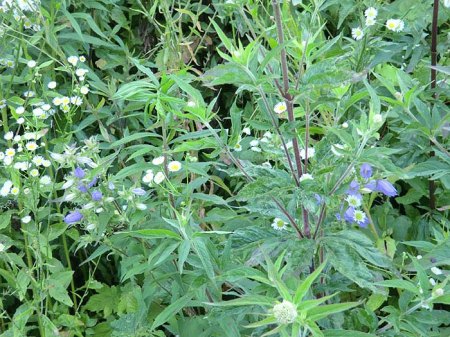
[73,217]
[338,216]
[386,188]
[79,173]
[93,182]
[348,215]
[96,195]
[366,171]
[138,191]
[318,198]
[82,188]
[383,186]
[371,185]
[353,188]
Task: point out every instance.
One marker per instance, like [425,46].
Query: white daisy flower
[396,25]
[84,90]
[371,12]
[278,224]
[174,166]
[158,160]
[357,33]
[306,176]
[280,107]
[370,22]
[31,64]
[159,178]
[9,135]
[51,85]
[73,60]
[26,219]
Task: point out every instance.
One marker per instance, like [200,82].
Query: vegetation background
[224,168]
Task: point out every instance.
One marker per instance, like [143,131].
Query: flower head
[96,195]
[285,312]
[159,178]
[383,186]
[31,64]
[174,166]
[357,33]
[280,107]
[354,200]
[79,173]
[353,188]
[370,22]
[73,60]
[396,25]
[366,171]
[371,12]
[138,191]
[278,224]
[158,160]
[436,271]
[306,176]
[73,217]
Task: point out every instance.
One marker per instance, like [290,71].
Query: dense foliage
[224,168]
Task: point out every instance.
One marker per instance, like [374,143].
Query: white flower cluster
[285,312]
[150,177]
[23,5]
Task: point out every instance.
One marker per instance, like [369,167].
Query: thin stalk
[289,104]
[434,32]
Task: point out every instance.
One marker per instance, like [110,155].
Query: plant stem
[434,32]
[290,108]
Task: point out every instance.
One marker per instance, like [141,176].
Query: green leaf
[400,284]
[244,301]
[329,309]
[306,284]
[153,234]
[346,333]
[170,311]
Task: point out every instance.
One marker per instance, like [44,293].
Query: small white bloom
[9,135]
[278,224]
[268,135]
[432,281]
[370,22]
[15,190]
[148,177]
[159,178]
[91,227]
[21,120]
[26,219]
[69,183]
[311,152]
[285,312]
[31,146]
[396,25]
[306,176]
[158,160]
[31,64]
[29,94]
[81,72]
[357,33]
[45,180]
[353,201]
[141,207]
[247,131]
[255,149]
[73,60]
[10,152]
[191,104]
[51,85]
[174,166]
[57,101]
[254,142]
[20,110]
[237,147]
[345,125]
[398,95]
[436,271]
[46,163]
[65,100]
[26,190]
[439,292]
[371,13]
[84,90]
[34,172]
[419,257]
[280,107]
[378,118]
